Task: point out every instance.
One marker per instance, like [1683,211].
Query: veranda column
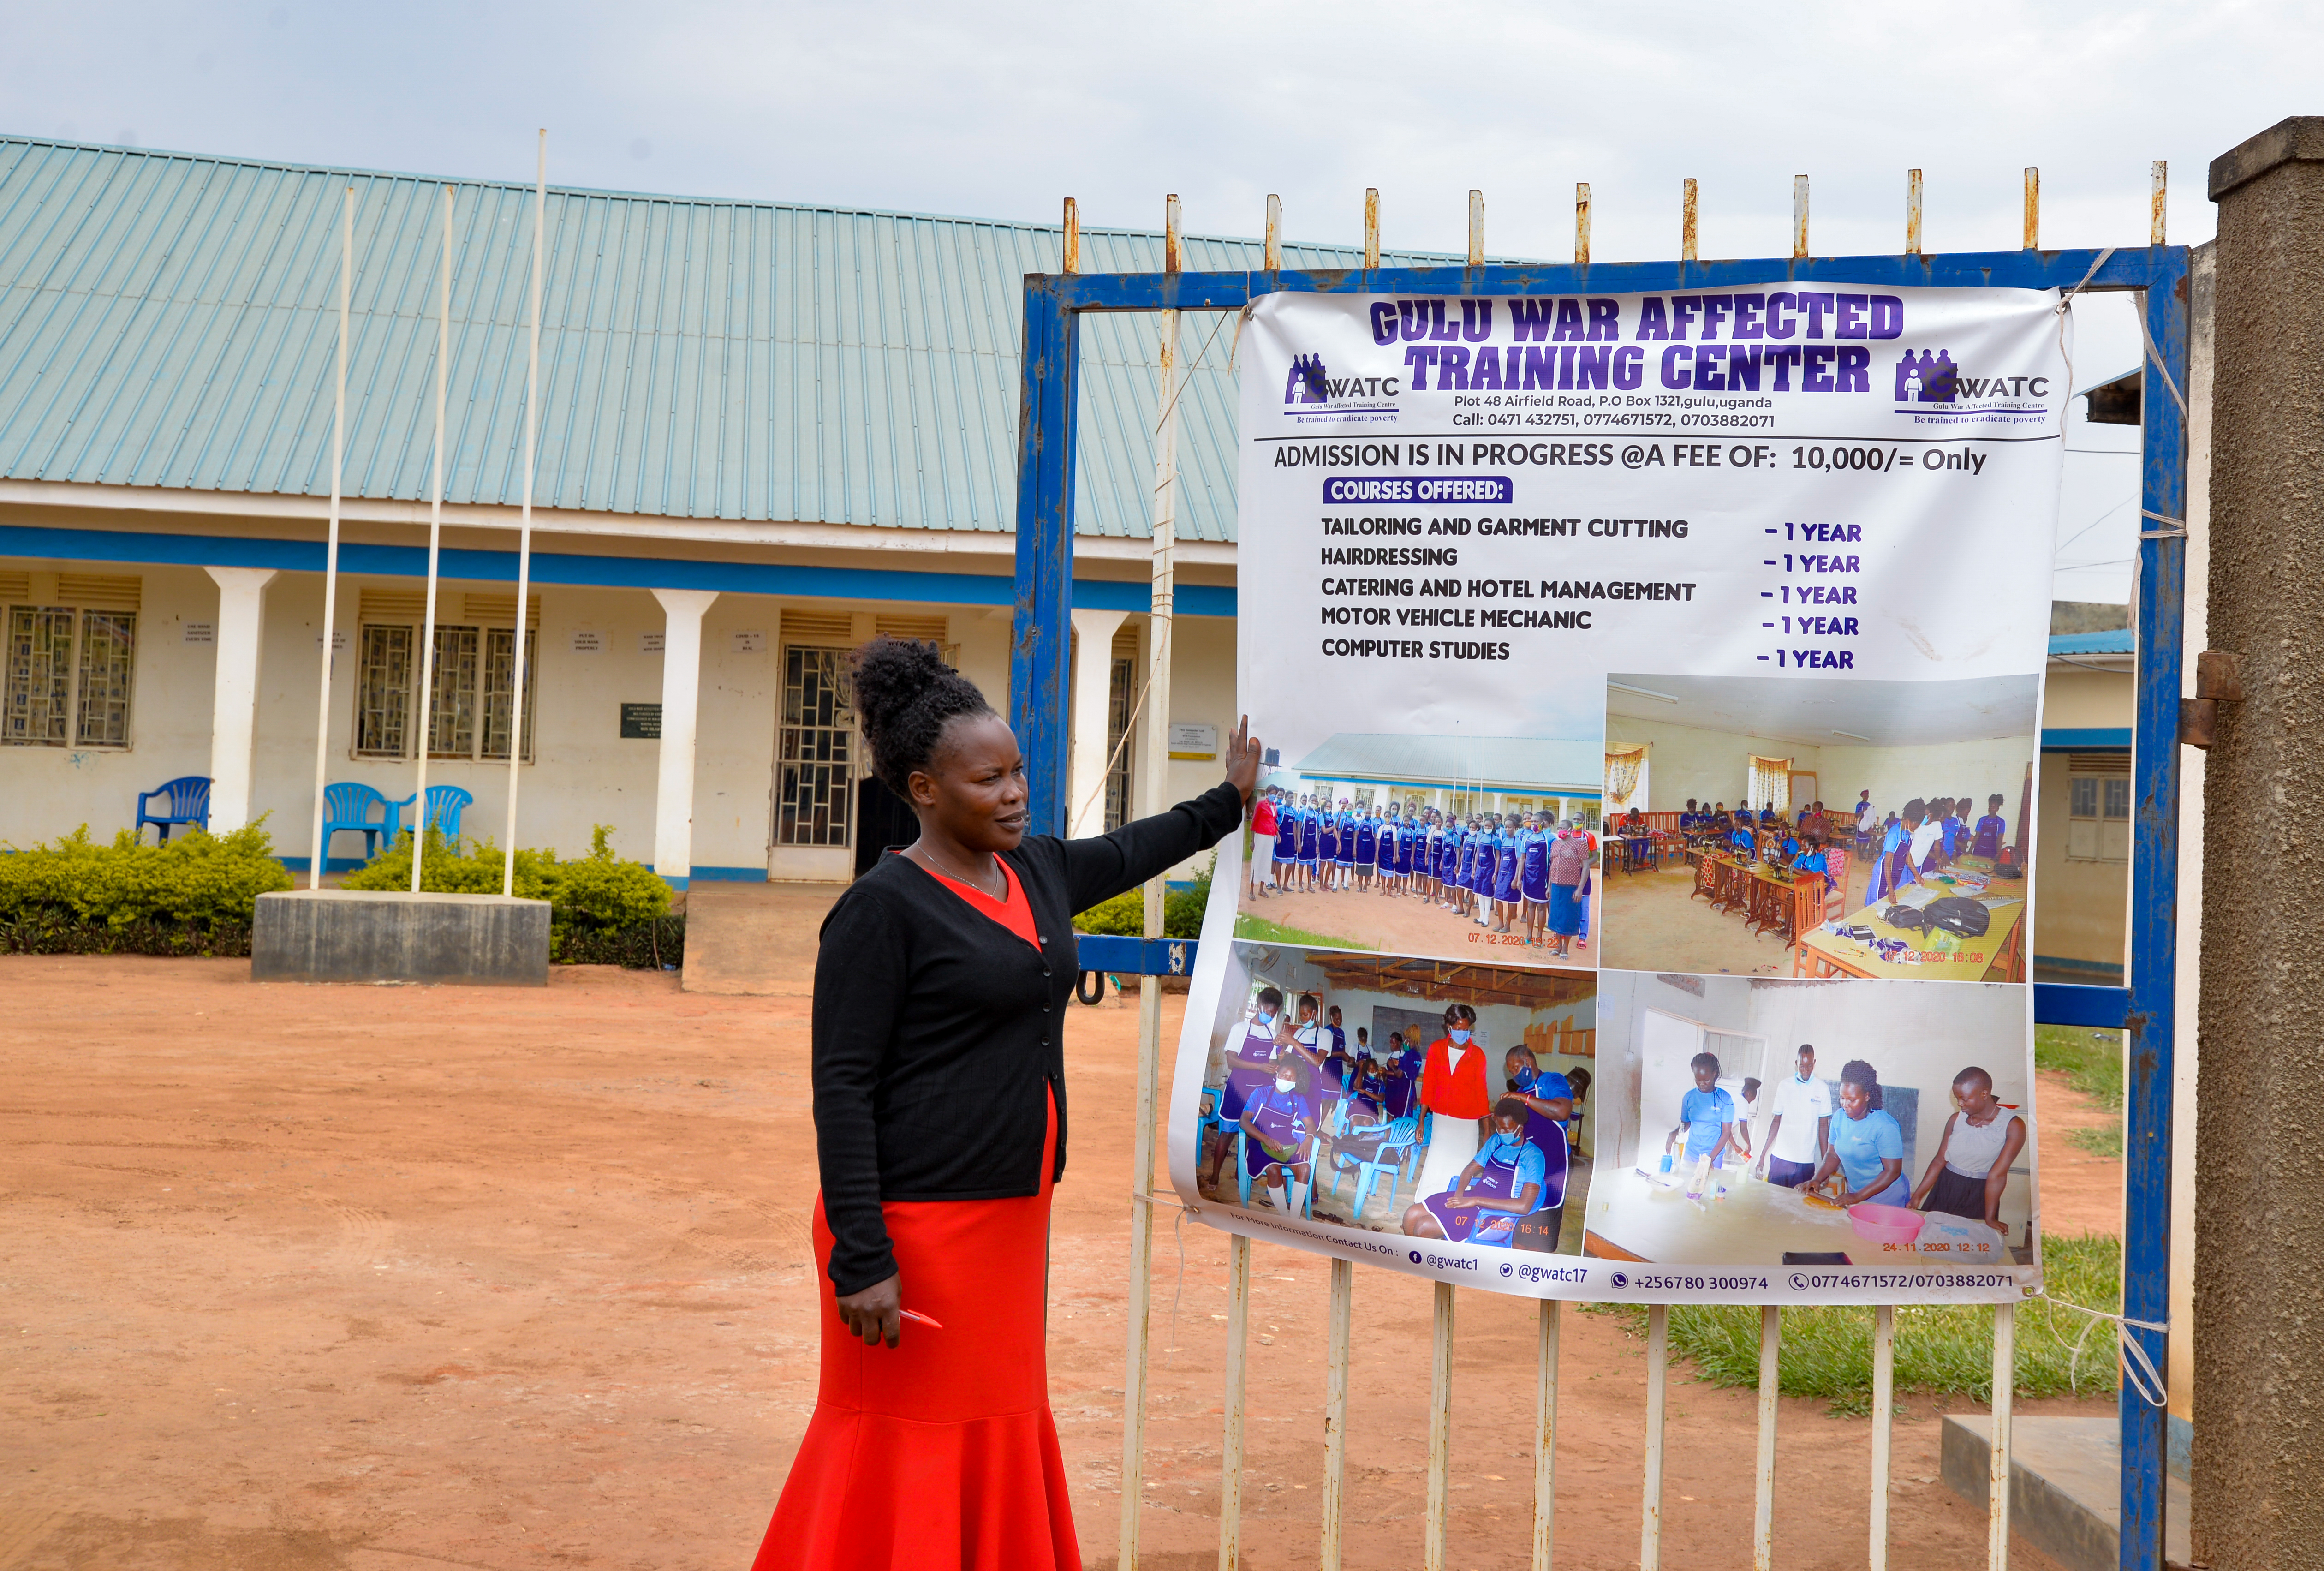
[681,685]
[2259,1206]
[233,708]
[1094,634]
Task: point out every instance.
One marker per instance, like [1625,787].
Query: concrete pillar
[234,707]
[1094,634]
[2259,1200]
[681,683]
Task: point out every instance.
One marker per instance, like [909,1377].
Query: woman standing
[1569,864]
[940,1129]
[1452,1090]
[1971,1168]
[1867,1144]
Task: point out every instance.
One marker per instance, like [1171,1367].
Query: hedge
[1125,914]
[193,896]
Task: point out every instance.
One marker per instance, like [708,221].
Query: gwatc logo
[1310,382]
[1927,376]
[1306,383]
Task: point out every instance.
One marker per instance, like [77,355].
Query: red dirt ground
[389,1278]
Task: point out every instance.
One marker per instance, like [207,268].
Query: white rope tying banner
[2137,1368]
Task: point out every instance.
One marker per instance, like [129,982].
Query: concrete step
[756,940]
[2065,1486]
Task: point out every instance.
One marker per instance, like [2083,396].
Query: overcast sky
[999,109]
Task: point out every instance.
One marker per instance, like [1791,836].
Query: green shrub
[198,880]
[599,891]
[1124,916]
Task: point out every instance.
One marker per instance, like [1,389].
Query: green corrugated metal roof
[169,320]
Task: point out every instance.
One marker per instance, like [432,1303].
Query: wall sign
[641,722]
[1193,741]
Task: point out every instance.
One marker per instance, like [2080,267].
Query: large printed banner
[1639,899]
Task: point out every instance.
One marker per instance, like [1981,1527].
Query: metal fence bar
[1336,1408]
[1884,1416]
[1141,1272]
[2159,607]
[1650,1526]
[1997,1476]
[1238,1365]
[1911,212]
[1763,1493]
[1545,1434]
[1440,1432]
[1040,631]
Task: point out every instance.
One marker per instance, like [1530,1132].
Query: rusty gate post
[2259,1209]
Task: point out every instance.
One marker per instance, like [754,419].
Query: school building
[766,432]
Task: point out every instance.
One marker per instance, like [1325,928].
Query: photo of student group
[1401,1095]
[1451,847]
[1757,827]
[1770,1122]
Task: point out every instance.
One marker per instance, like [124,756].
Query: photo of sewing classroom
[1767,1122]
[1457,848]
[1819,828]
[1402,1095]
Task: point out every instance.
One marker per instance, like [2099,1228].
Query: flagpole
[435,550]
[331,553]
[524,528]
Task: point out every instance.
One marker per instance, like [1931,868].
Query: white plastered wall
[49,791]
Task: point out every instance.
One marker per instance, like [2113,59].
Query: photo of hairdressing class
[1765,826]
[1422,1097]
[1766,1122]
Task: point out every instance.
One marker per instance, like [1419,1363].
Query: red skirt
[939,1454]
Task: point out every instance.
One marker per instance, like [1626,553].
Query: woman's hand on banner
[1243,760]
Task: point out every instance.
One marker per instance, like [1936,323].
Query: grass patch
[2092,1062]
[1942,1351]
[1265,932]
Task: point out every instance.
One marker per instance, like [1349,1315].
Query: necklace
[971,880]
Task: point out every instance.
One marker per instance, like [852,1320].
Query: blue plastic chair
[189,800]
[347,807]
[1402,1145]
[445,805]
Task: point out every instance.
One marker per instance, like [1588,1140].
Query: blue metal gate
[1042,648]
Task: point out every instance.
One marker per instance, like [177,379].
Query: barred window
[40,675]
[815,778]
[499,686]
[69,673]
[473,688]
[109,650]
[452,717]
[384,678]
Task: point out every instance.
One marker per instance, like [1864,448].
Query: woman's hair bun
[905,694]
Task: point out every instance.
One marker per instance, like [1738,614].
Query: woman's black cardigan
[938,1032]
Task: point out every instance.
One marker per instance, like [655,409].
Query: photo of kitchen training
[1763,826]
[1453,847]
[1425,1097]
[1763,1121]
